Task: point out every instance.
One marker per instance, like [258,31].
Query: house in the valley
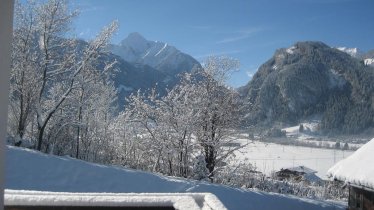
[357,171]
[298,174]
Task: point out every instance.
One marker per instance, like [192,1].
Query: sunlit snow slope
[31,170]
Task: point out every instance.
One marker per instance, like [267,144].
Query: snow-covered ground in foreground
[31,170]
[187,201]
[268,157]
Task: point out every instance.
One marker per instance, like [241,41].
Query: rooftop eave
[361,187]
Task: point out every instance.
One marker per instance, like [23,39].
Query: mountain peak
[301,48]
[158,55]
[135,36]
[313,43]
[135,41]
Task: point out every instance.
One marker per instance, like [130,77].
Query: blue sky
[248,30]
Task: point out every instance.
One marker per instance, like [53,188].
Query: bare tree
[197,114]
[47,67]
[53,21]
[218,111]
[23,76]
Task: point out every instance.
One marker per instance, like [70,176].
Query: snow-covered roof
[301,169]
[357,169]
[312,177]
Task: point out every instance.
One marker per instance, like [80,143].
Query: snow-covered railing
[20,200]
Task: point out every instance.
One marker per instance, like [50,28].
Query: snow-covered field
[31,170]
[268,157]
[311,135]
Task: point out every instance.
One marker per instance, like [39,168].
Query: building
[299,173]
[357,172]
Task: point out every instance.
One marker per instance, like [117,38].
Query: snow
[30,170]
[358,168]
[369,61]
[312,135]
[335,79]
[312,178]
[307,173]
[354,52]
[177,200]
[136,49]
[312,126]
[146,54]
[291,50]
[269,157]
[165,45]
[302,169]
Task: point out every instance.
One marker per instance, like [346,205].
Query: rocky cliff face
[311,78]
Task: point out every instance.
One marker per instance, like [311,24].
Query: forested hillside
[311,78]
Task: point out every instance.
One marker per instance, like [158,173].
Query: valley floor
[269,157]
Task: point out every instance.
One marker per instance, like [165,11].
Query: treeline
[351,110]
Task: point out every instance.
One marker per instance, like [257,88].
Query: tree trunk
[79,123]
[40,137]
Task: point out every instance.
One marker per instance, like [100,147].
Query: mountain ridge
[311,78]
[143,65]
[367,57]
[137,50]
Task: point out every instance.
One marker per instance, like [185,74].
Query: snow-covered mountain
[368,57]
[158,55]
[143,64]
[311,78]
[369,61]
[354,52]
